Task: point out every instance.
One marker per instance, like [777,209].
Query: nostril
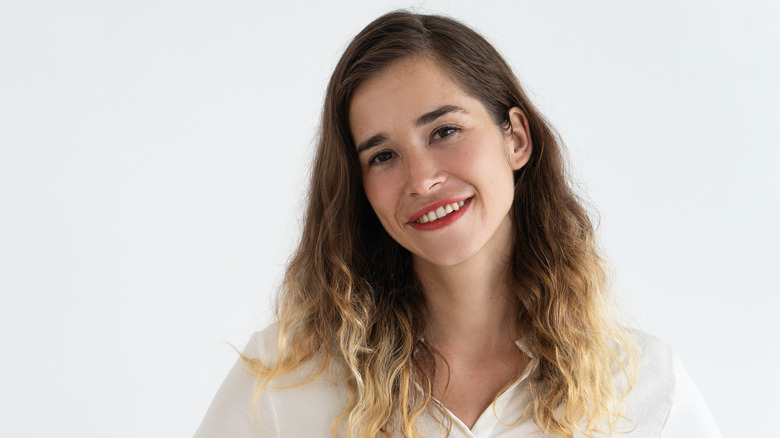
[422,173]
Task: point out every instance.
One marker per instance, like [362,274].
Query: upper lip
[434,206]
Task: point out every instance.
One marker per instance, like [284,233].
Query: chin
[446,257]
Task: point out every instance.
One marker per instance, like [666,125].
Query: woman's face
[436,169]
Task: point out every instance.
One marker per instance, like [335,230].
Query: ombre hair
[350,301]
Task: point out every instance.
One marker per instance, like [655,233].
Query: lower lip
[443,222]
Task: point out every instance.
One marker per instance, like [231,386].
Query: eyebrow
[435,114]
[422,120]
[371,142]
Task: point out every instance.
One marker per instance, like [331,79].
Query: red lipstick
[439,223]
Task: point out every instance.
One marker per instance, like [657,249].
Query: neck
[470,305]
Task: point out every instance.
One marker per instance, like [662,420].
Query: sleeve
[232,413]
[689,417]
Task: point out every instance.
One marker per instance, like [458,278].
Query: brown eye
[380,157]
[444,131]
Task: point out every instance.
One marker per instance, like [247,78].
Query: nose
[423,174]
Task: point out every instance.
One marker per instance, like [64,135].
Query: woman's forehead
[402,93]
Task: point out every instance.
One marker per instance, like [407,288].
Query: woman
[447,280]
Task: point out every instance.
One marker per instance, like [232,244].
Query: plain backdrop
[154,156]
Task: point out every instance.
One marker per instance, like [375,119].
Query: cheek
[379,194]
[382,196]
[484,160]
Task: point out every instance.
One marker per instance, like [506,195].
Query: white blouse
[664,403]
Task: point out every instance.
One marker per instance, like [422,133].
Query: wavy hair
[349,298]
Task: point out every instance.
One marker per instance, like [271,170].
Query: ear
[518,138]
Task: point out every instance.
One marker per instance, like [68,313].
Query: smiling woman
[430,144]
[447,280]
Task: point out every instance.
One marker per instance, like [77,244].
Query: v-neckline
[488,419]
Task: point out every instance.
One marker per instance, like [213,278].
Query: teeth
[440,212]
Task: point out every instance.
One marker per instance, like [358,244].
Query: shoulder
[658,364]
[303,407]
[288,406]
[663,391]
[652,395]
[241,408]
[235,409]
[262,345]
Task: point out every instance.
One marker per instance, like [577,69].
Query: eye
[443,131]
[380,157]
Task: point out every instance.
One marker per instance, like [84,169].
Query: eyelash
[442,129]
[375,159]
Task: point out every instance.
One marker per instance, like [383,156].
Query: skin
[463,267]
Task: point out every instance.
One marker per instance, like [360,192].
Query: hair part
[349,296]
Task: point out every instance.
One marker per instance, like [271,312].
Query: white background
[153,157]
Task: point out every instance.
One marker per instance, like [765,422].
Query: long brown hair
[349,296]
